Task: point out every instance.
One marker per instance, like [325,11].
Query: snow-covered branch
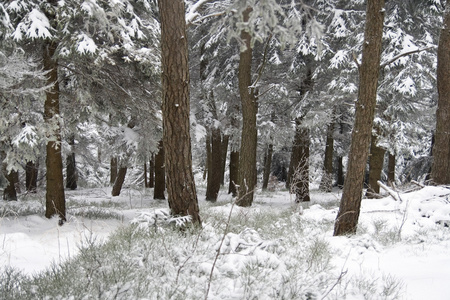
[406,54]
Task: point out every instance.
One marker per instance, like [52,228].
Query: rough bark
[376,161]
[71,169]
[55,203]
[151,170]
[247,155]
[113,170]
[117,187]
[160,174]
[440,170]
[215,167]
[182,195]
[391,169]
[234,173]
[349,209]
[267,166]
[298,176]
[326,183]
[31,174]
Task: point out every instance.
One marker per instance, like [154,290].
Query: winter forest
[224,149]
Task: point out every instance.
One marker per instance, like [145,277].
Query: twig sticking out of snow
[391,192]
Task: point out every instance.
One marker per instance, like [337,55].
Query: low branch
[405,54]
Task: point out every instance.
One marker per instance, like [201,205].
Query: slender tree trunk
[440,170]
[160,174]
[247,158]
[176,127]
[71,169]
[267,166]
[9,193]
[376,161]
[117,187]
[391,169]
[31,174]
[299,165]
[151,177]
[340,172]
[215,167]
[349,209]
[145,175]
[224,150]
[326,183]
[55,203]
[234,173]
[208,156]
[113,170]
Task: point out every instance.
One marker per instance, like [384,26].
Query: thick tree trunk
[376,161]
[299,166]
[224,150]
[326,183]
[71,169]
[215,167]
[391,169]
[160,174]
[267,166]
[55,203]
[113,170]
[117,187]
[234,173]
[151,170]
[31,174]
[247,155]
[176,108]
[440,170]
[349,209]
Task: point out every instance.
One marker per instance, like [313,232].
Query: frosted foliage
[35,25]
[86,44]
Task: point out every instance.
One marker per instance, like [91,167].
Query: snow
[405,241]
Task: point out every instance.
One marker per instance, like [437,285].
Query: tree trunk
[208,156]
[299,166]
[113,167]
[145,175]
[55,203]
[376,160]
[340,172]
[440,170]
[267,166]
[234,173]
[176,108]
[224,150]
[31,174]
[151,177]
[215,167]
[160,174]
[247,155]
[326,183]
[349,209]
[391,169]
[117,187]
[71,169]
[9,193]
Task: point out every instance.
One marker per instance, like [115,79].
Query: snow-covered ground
[407,241]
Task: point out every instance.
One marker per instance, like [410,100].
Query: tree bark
[224,150]
[440,170]
[349,209]
[234,173]
[267,166]
[145,175]
[160,174]
[9,193]
[326,183]
[113,170]
[55,203]
[376,161]
[391,169]
[181,191]
[298,176]
[31,174]
[117,187]
[247,158]
[215,166]
[151,170]
[71,169]
[340,172]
